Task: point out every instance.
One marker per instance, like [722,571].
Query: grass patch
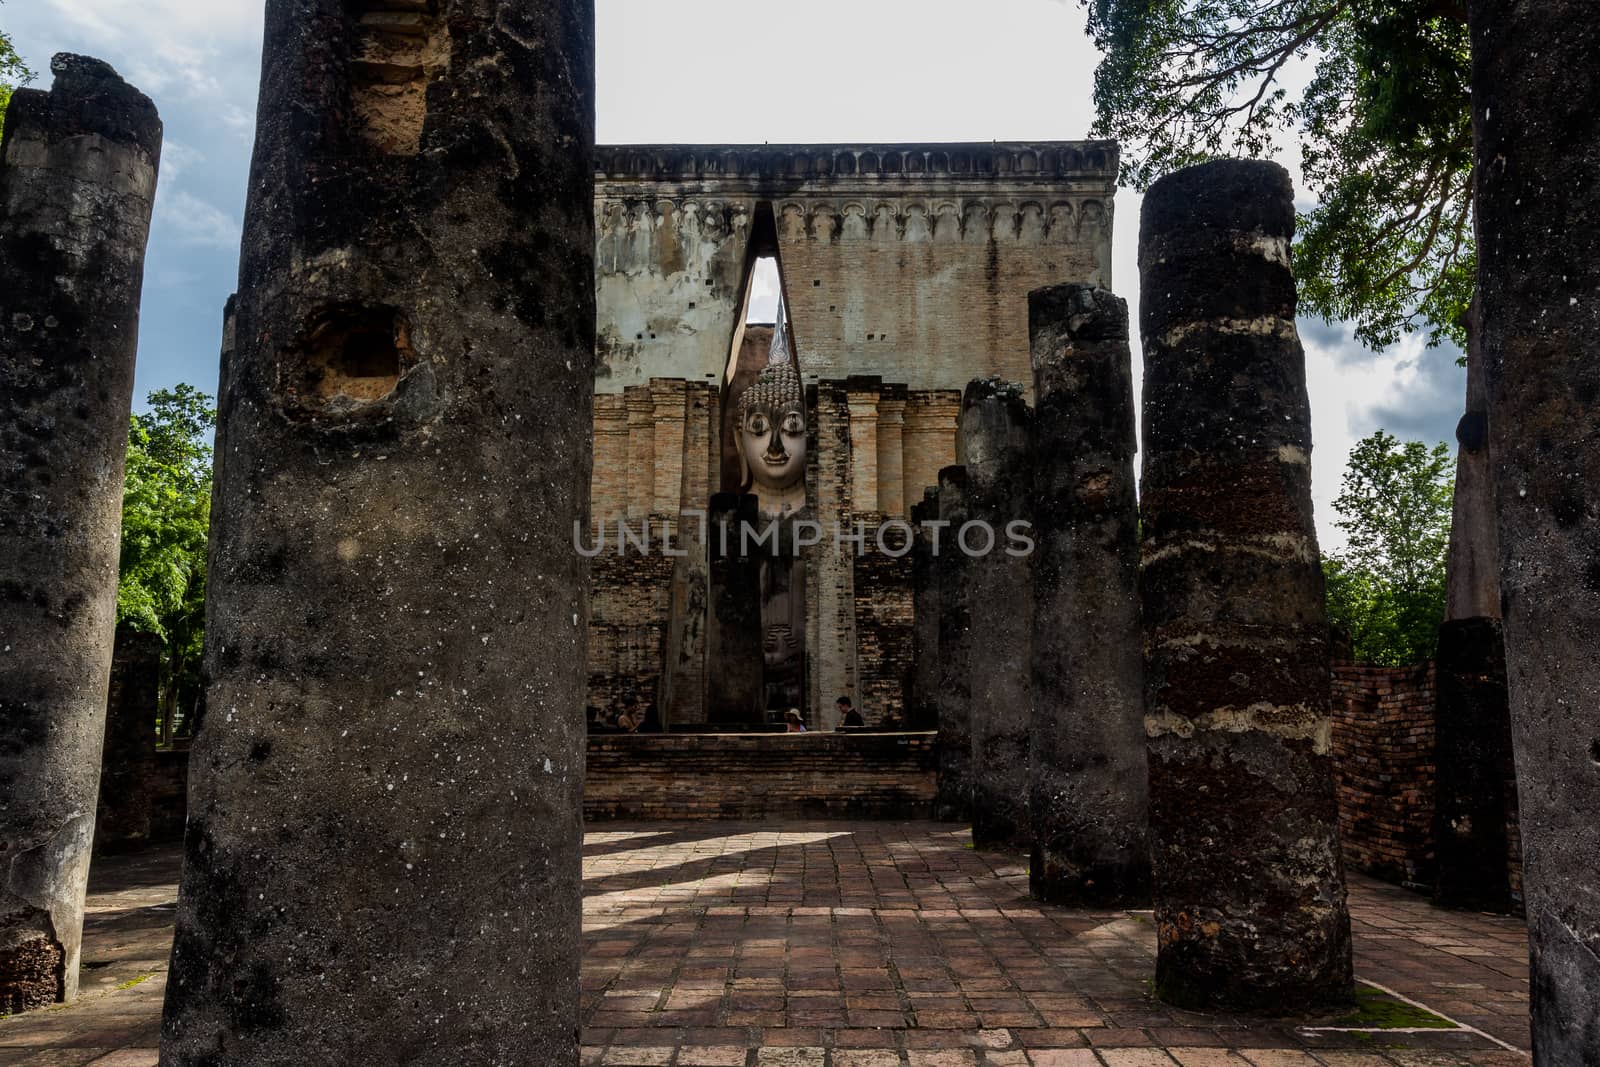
[1377,1010]
[130,983]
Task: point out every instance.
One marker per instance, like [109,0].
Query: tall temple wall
[912,262]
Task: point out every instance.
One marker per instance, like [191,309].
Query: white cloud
[194,222]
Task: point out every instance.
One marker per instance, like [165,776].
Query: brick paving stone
[723,1056]
[791,1057]
[944,1058]
[858,944]
[637,1056]
[1136,1057]
[866,1058]
[1206,1057]
[1067,1057]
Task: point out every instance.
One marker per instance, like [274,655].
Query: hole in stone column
[399,48]
[352,354]
[1594,750]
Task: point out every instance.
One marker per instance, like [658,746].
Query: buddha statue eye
[793,424]
[758,423]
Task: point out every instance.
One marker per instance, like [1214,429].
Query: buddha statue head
[772,439]
[772,431]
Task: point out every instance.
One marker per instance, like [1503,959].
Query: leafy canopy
[166,513]
[1384,124]
[1387,589]
[14,74]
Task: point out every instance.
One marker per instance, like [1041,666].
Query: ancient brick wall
[760,776]
[1383,743]
[885,617]
[629,600]
[1383,730]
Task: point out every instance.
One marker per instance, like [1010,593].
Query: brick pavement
[862,945]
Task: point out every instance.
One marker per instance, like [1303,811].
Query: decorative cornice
[905,214]
[785,166]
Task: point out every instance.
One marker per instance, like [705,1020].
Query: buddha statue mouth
[775,459]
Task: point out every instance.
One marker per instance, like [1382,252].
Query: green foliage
[166,514]
[1384,126]
[1387,589]
[14,74]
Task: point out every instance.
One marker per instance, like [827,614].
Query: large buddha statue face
[772,438]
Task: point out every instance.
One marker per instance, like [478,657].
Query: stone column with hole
[382,858]
[1249,884]
[953,796]
[77,181]
[993,444]
[1089,795]
[1534,83]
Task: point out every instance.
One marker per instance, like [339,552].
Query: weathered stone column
[128,759]
[1089,795]
[1475,795]
[922,698]
[953,799]
[734,664]
[683,672]
[993,445]
[77,180]
[1534,83]
[383,846]
[1249,884]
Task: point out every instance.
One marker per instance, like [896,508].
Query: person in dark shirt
[848,715]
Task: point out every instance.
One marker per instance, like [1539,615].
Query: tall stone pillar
[1089,782]
[892,499]
[77,180]
[382,856]
[922,699]
[734,665]
[683,674]
[994,447]
[669,399]
[953,798]
[1534,83]
[1475,797]
[1249,884]
[830,567]
[127,762]
[641,452]
[863,393]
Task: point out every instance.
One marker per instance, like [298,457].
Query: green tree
[14,74]
[1387,588]
[166,514]
[1384,124]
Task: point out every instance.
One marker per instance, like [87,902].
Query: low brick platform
[855,944]
[760,776]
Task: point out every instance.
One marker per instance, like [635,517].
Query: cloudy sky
[690,71]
